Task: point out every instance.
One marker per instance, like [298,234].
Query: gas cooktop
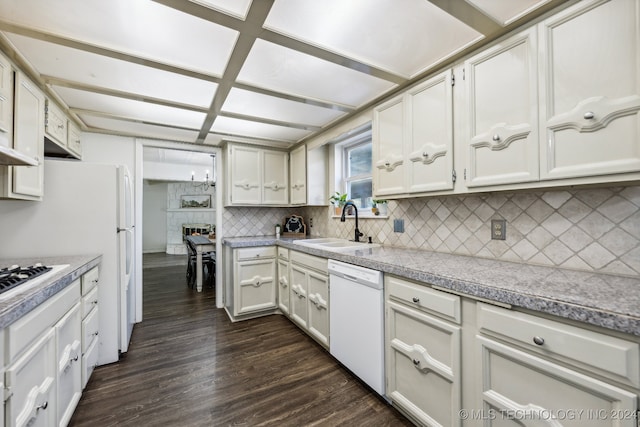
[14,277]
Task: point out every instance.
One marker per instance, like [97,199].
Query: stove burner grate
[15,275]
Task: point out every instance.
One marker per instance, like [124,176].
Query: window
[357,173]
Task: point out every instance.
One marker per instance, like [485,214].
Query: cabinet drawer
[90,279]
[24,331]
[89,362]
[611,356]
[89,301]
[423,298]
[90,327]
[55,123]
[283,253]
[313,262]
[246,254]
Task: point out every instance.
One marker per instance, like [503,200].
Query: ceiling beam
[256,16]
[269,121]
[466,13]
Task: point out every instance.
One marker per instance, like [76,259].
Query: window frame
[346,178]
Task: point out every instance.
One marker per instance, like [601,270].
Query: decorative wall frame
[202,201]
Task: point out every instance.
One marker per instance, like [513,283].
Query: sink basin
[335,244]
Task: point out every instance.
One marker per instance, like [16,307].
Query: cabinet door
[255,286]
[298,300]
[73,139]
[283,286]
[429,145]
[68,349]
[246,174]
[318,309]
[28,138]
[31,383]
[55,123]
[517,387]
[590,90]
[298,176]
[6,102]
[423,365]
[388,143]
[275,178]
[502,136]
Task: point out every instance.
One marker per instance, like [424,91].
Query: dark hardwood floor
[188,365]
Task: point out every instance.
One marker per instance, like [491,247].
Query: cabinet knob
[43,406]
[387,164]
[416,362]
[425,154]
[538,340]
[416,299]
[496,137]
[589,115]
[75,359]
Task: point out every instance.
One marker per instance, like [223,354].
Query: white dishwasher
[356,321]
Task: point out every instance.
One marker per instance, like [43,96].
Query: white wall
[154,217]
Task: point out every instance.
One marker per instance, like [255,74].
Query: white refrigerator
[87,208]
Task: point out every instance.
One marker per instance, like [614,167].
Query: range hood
[9,156]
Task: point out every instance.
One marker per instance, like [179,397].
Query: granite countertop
[599,299]
[20,303]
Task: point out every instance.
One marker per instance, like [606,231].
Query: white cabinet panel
[502,118]
[246,175]
[318,307]
[298,175]
[28,181]
[55,123]
[388,145]
[255,286]
[590,90]
[275,178]
[298,295]
[74,143]
[31,381]
[69,353]
[514,382]
[283,285]
[429,146]
[6,102]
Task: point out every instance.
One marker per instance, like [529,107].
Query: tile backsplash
[586,229]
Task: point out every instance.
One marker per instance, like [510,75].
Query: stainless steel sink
[335,244]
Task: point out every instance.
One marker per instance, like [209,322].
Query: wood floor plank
[188,365]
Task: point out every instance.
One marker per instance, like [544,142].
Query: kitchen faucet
[357,233]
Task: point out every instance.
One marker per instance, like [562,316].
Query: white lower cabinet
[521,389]
[69,370]
[31,381]
[283,280]
[309,297]
[254,280]
[423,352]
[90,328]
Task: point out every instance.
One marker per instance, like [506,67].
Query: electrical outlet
[310,222]
[398,225]
[498,229]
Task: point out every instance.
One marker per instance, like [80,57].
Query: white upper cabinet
[257,176]
[413,140]
[590,90]
[6,102]
[388,142]
[298,175]
[429,144]
[275,178]
[502,116]
[245,185]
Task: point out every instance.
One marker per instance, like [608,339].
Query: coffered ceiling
[272,71]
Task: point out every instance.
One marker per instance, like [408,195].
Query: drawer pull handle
[416,299]
[538,340]
[416,362]
[43,406]
[589,115]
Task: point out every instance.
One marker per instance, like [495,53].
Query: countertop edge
[16,307]
[547,304]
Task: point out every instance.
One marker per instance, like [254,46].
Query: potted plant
[338,200]
[379,206]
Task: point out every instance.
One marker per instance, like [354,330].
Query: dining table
[202,244]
